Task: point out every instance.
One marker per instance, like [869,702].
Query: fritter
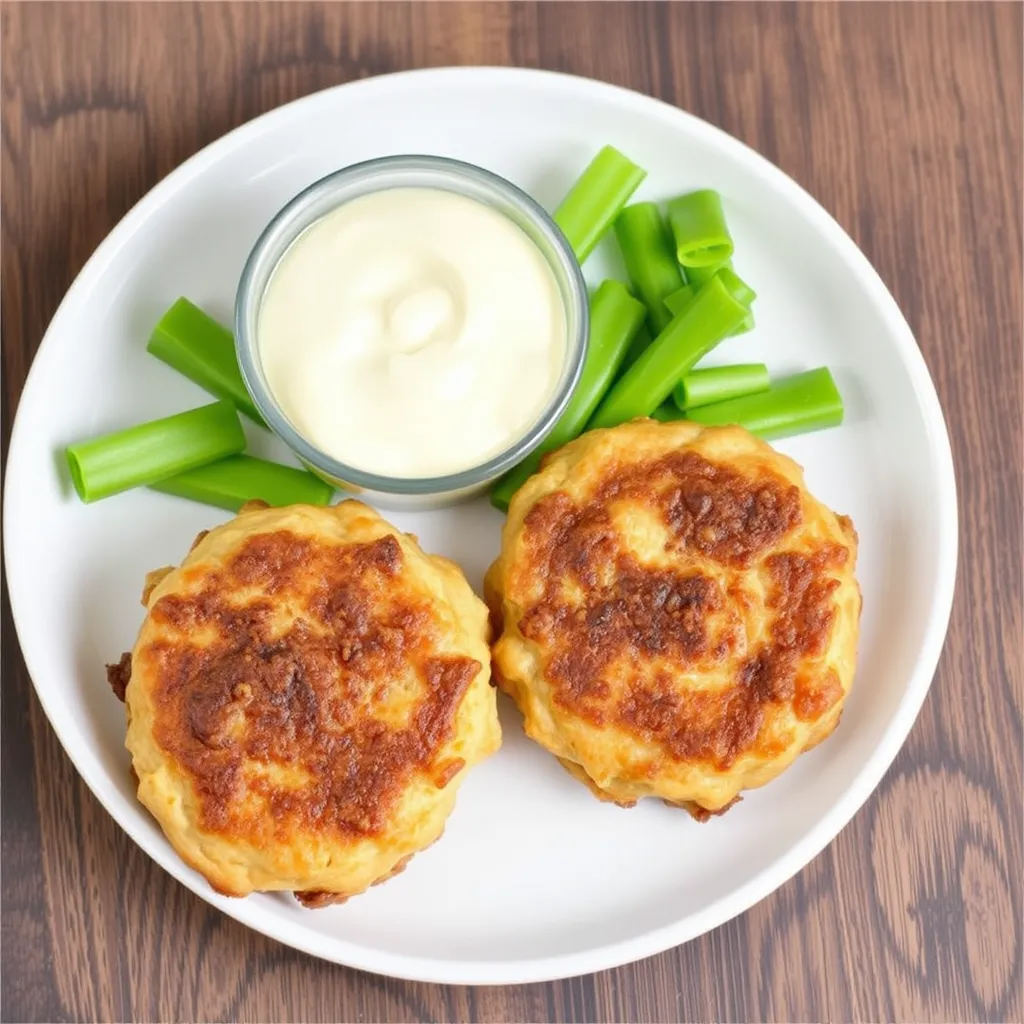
[678,616]
[306,693]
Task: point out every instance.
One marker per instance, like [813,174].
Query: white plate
[534,878]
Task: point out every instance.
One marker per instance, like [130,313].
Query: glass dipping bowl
[379,175]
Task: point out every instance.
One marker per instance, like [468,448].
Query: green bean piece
[153,451]
[698,226]
[594,201]
[615,318]
[199,348]
[746,324]
[696,276]
[233,481]
[718,383]
[713,313]
[738,288]
[650,259]
[668,412]
[678,300]
[637,346]
[794,405]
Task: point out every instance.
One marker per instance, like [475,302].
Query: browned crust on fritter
[702,814]
[153,580]
[317,899]
[694,809]
[249,694]
[314,899]
[118,675]
[619,613]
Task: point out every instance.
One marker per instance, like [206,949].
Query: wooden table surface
[906,123]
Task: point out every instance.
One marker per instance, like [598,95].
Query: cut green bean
[593,203]
[696,276]
[681,298]
[637,346]
[615,318]
[698,227]
[650,259]
[795,405]
[713,313]
[678,300]
[233,481]
[743,292]
[738,288]
[154,451]
[198,347]
[718,383]
[746,324]
[668,412]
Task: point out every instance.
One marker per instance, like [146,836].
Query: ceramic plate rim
[822,832]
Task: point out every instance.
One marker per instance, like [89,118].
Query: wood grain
[906,122]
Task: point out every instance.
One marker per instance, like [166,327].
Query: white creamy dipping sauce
[412,333]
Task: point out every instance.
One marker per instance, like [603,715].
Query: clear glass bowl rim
[292,220]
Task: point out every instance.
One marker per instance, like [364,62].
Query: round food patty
[678,615]
[306,693]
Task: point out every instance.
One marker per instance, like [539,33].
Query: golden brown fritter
[305,695]
[678,614]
